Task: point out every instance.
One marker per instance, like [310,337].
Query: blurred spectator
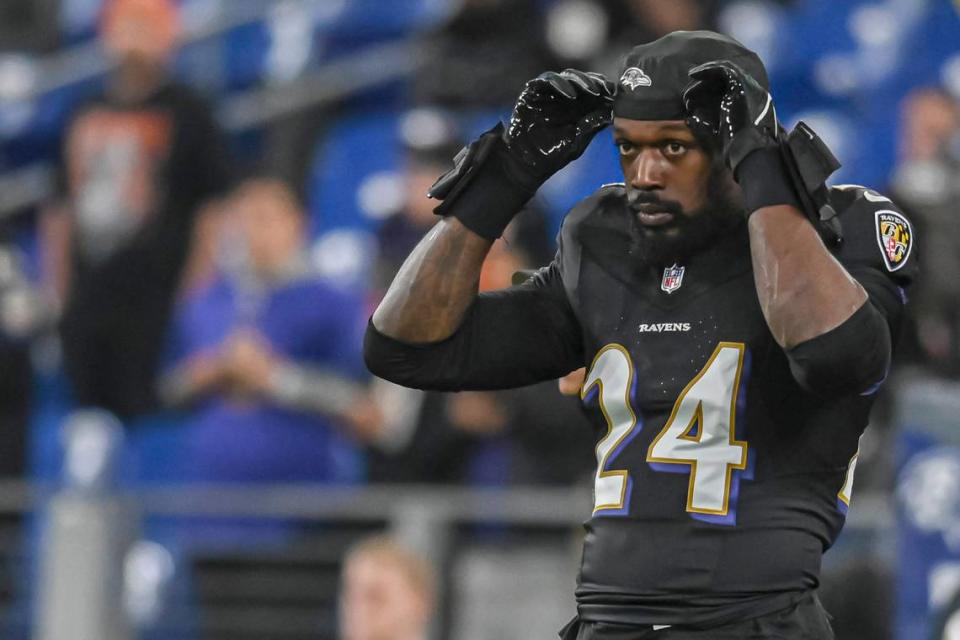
[387,592]
[483,56]
[22,316]
[28,24]
[138,161]
[266,357]
[926,184]
[594,34]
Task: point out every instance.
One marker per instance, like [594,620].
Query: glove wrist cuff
[487,188]
[764,180]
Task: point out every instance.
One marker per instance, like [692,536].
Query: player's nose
[647,171]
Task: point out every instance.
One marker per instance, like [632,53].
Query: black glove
[726,102]
[555,118]
[727,105]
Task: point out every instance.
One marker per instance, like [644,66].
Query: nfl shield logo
[672,279]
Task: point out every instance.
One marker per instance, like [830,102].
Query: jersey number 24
[699,437]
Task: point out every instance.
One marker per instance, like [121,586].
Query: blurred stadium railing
[176,561]
[508,551]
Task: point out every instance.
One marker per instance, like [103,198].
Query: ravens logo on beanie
[654,75]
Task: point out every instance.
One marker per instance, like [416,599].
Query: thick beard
[695,231]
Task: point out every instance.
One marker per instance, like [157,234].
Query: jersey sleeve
[878,251]
[509,338]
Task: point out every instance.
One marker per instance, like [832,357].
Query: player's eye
[674,148]
[625,148]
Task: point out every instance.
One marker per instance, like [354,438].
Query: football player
[735,318]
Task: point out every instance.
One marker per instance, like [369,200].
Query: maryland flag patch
[895,238]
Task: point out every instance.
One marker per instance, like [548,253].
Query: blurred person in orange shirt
[139,160]
[387,592]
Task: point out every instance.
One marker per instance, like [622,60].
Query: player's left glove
[726,104]
[724,101]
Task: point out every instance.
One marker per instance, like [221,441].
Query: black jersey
[720,480]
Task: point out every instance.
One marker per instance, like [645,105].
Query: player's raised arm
[435,292]
[816,311]
[439,280]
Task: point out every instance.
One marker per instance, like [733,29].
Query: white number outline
[591,380]
[697,420]
[846,491]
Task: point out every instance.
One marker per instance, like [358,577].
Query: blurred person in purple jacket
[266,356]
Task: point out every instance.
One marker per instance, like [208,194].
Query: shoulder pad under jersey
[597,222]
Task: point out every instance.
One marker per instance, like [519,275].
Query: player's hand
[555,118]
[572,383]
[725,102]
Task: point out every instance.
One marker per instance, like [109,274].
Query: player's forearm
[435,286]
[804,291]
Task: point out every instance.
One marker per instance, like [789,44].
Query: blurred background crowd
[202,201]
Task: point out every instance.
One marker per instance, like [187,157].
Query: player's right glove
[553,121]
[727,103]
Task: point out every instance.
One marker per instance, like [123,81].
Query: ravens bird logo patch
[895,238]
[634,77]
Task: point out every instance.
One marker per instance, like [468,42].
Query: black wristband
[493,196]
[765,180]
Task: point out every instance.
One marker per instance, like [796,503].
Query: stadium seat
[354,150]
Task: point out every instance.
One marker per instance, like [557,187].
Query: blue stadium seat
[365,18]
[353,150]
